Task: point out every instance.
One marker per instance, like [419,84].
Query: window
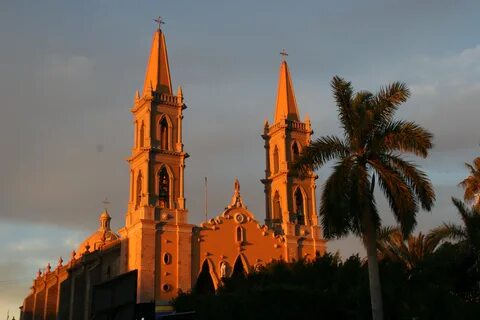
[142,136]
[240,234]
[299,206]
[275,160]
[139,190]
[164,142]
[167,258]
[163,188]
[295,151]
[277,210]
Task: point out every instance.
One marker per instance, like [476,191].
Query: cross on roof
[159,21]
[284,54]
[106,203]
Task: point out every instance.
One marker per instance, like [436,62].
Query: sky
[69,71]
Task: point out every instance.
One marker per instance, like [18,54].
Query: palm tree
[370,150]
[472,183]
[468,235]
[393,246]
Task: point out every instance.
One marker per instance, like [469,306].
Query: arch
[275,160]
[142,135]
[277,209]
[138,197]
[164,187]
[240,268]
[205,283]
[299,201]
[164,132]
[240,234]
[135,134]
[295,151]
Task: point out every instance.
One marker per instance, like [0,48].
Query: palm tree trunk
[369,239]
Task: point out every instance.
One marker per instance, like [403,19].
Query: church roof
[102,236]
[157,75]
[286,107]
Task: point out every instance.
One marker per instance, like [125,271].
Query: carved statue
[223,269]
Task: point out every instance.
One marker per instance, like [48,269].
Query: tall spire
[157,76]
[286,103]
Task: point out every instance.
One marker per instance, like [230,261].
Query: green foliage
[329,288]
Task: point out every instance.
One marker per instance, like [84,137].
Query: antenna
[206,199]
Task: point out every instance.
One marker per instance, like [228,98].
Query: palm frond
[343,92]
[335,210]
[416,178]
[388,99]
[403,136]
[398,193]
[318,153]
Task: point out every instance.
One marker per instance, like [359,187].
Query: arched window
[142,135]
[138,198]
[163,188]
[275,160]
[135,135]
[299,204]
[277,210]
[295,151]
[204,283]
[164,142]
[240,234]
[238,269]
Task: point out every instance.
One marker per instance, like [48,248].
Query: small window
[299,203]
[295,151]
[277,210]
[164,188]
[275,160]
[240,234]
[142,135]
[167,258]
[164,142]
[138,198]
[167,287]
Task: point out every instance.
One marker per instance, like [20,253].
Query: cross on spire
[284,54]
[106,203]
[159,21]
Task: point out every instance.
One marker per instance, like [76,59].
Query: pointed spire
[286,104]
[157,76]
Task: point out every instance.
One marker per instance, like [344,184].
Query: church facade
[168,253]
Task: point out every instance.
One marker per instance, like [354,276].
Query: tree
[467,238]
[471,184]
[370,150]
[392,245]
[468,235]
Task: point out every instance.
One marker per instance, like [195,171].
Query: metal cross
[106,203]
[160,21]
[284,54]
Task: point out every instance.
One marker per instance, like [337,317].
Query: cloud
[70,68]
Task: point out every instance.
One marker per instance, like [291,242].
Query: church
[167,254]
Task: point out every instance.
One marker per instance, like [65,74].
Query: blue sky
[69,70]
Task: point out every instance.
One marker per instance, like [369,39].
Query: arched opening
[277,210]
[205,283]
[138,198]
[238,269]
[163,188]
[164,139]
[299,206]
[142,135]
[275,160]
[295,151]
[240,234]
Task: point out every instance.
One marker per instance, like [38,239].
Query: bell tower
[156,221]
[290,202]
